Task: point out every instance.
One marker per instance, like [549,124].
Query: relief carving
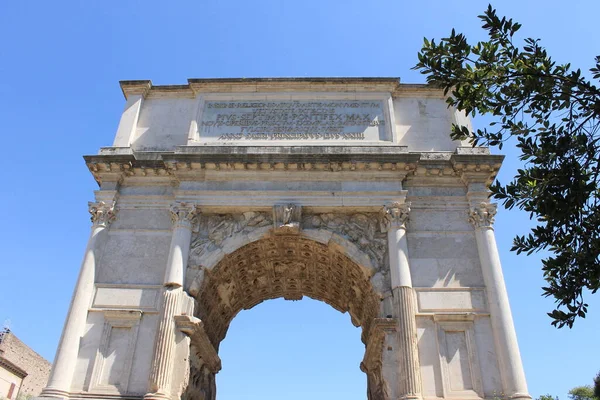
[483,215]
[102,214]
[214,229]
[394,215]
[287,218]
[361,229]
[283,266]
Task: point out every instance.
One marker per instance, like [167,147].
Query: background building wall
[17,354]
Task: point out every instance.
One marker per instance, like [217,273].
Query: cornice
[190,162]
[140,87]
[275,85]
[12,368]
[477,168]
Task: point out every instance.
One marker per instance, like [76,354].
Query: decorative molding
[183,215]
[394,215]
[194,328]
[361,229]
[286,218]
[474,387]
[115,319]
[102,214]
[372,363]
[288,267]
[482,216]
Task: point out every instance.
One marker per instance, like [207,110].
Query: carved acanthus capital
[482,215]
[286,218]
[394,215]
[184,215]
[102,214]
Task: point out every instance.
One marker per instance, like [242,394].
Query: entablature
[305,163]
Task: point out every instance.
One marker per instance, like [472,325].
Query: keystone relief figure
[287,218]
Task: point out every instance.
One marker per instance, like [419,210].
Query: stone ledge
[265,85]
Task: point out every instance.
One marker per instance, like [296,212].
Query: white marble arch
[156,168]
[195,270]
[238,279]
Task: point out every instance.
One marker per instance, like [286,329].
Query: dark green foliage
[547,397]
[582,393]
[553,112]
[597,386]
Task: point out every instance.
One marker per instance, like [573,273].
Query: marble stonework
[223,193]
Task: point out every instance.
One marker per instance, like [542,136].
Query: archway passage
[279,266]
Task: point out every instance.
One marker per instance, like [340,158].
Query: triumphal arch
[223,193]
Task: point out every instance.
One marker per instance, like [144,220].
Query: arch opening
[292,349]
[278,266]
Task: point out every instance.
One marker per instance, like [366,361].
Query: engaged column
[395,218]
[59,383]
[183,217]
[511,367]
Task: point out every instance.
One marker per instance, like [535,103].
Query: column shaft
[183,217]
[59,383]
[396,216]
[160,378]
[509,356]
[410,380]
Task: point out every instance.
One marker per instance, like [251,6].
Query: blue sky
[60,63]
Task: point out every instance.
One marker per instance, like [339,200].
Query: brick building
[23,372]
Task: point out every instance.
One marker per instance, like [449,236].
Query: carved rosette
[482,216]
[394,215]
[286,218]
[183,215]
[102,214]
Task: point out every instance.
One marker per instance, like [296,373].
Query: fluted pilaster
[394,220]
[162,369]
[410,378]
[183,216]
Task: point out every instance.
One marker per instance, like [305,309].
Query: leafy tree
[597,386]
[553,113]
[582,393]
[547,397]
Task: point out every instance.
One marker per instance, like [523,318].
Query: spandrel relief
[362,229]
[215,229]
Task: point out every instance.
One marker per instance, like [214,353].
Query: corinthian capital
[394,215]
[183,214]
[482,215]
[102,213]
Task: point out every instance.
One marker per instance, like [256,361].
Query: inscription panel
[298,120]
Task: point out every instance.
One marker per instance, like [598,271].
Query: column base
[157,396]
[410,397]
[48,397]
[520,396]
[51,393]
